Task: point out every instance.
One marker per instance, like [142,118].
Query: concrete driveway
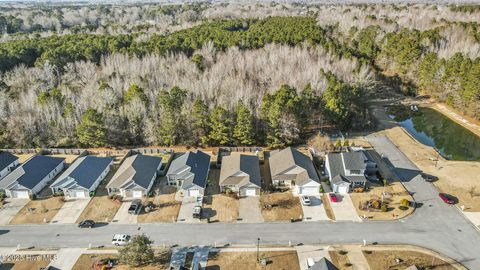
[343,209]
[70,211]
[315,211]
[10,209]
[314,252]
[122,216]
[186,210]
[66,258]
[249,210]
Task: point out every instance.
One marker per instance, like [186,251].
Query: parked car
[197,212]
[86,224]
[305,200]
[429,178]
[135,207]
[310,262]
[120,239]
[446,198]
[199,200]
[333,197]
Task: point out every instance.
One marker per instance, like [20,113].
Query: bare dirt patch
[38,211]
[381,260]
[23,157]
[221,208]
[278,260]
[397,192]
[458,178]
[69,159]
[24,265]
[284,206]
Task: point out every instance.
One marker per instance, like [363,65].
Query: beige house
[241,174]
[291,168]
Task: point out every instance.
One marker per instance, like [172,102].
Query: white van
[120,239]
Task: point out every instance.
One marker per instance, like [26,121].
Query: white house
[189,172]
[32,176]
[83,176]
[290,167]
[8,162]
[135,177]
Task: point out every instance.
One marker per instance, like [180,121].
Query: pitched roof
[336,166]
[238,169]
[323,264]
[287,159]
[83,172]
[6,159]
[192,167]
[354,160]
[32,172]
[137,168]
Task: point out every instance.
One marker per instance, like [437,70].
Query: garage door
[21,194]
[343,189]
[80,194]
[309,190]
[251,192]
[194,192]
[137,194]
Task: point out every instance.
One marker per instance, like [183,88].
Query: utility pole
[258,250]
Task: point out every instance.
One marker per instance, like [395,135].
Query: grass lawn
[398,193]
[101,208]
[341,260]
[380,260]
[38,211]
[23,157]
[284,206]
[278,260]
[68,158]
[221,208]
[88,261]
[24,265]
[166,210]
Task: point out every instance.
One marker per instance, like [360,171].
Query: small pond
[450,139]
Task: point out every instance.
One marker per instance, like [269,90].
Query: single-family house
[323,264]
[189,172]
[135,176]
[290,167]
[347,170]
[8,162]
[32,176]
[240,174]
[83,176]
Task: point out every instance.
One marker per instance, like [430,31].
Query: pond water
[450,139]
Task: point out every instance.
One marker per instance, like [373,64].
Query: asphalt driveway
[344,209]
[10,209]
[249,210]
[315,211]
[123,217]
[70,211]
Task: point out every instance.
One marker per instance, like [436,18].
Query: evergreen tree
[200,122]
[91,131]
[172,122]
[220,126]
[137,252]
[244,132]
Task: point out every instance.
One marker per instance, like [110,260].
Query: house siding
[8,169]
[48,178]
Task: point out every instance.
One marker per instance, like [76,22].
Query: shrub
[384,208]
[92,193]
[405,202]
[342,252]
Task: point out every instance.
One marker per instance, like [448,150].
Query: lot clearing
[38,211]
[397,191]
[278,260]
[285,206]
[166,207]
[459,178]
[385,259]
[87,262]
[101,208]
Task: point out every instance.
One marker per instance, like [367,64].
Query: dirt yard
[459,178]
[340,260]
[101,208]
[381,260]
[87,262]
[397,192]
[284,206]
[166,209]
[23,157]
[24,265]
[38,211]
[278,260]
[221,208]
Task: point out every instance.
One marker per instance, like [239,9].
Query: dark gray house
[189,172]
[135,177]
[7,163]
[83,176]
[33,175]
[323,264]
[241,174]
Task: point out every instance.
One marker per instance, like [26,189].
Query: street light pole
[258,250]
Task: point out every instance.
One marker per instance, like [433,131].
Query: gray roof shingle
[323,264]
[137,168]
[84,171]
[336,165]
[192,167]
[235,163]
[6,159]
[286,159]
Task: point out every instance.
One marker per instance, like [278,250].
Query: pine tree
[244,132]
[171,123]
[220,125]
[200,122]
[91,131]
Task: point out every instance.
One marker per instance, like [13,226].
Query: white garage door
[343,189]
[251,192]
[80,194]
[137,194]
[194,192]
[309,190]
[20,194]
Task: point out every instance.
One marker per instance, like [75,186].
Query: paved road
[434,225]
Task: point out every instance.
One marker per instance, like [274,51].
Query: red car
[446,198]
[332,196]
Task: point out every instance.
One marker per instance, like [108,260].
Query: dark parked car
[429,178]
[86,224]
[447,198]
[135,207]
